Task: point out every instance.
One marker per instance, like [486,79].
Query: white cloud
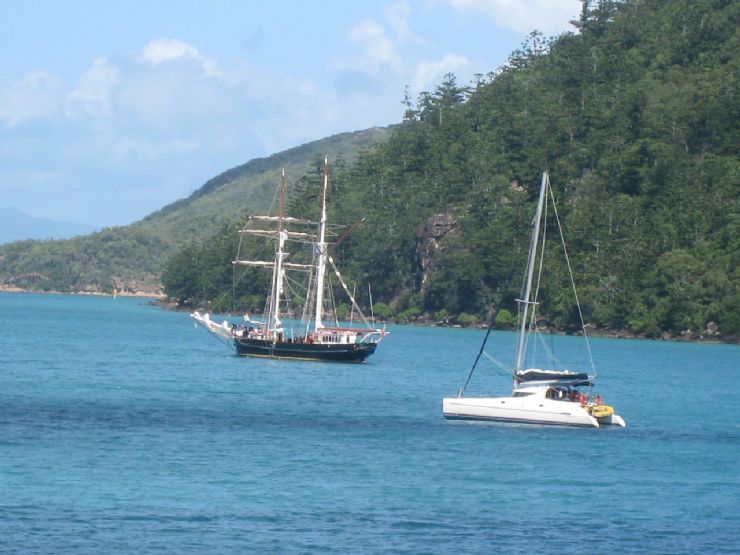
[378,50]
[93,93]
[398,16]
[430,72]
[548,16]
[163,50]
[169,87]
[37,95]
[132,122]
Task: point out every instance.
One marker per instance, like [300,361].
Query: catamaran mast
[321,251]
[530,272]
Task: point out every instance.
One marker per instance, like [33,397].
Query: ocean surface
[124,429]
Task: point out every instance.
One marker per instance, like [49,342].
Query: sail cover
[553,376]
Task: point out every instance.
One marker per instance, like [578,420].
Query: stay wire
[573,284]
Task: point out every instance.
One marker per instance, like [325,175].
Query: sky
[111,110]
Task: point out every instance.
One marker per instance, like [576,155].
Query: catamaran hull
[612,420]
[521,410]
[351,352]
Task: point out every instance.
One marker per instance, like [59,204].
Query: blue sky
[111,110]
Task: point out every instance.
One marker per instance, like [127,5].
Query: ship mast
[278,273]
[521,347]
[321,251]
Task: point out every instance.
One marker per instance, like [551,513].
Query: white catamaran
[314,340]
[559,397]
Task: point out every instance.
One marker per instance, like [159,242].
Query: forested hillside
[635,117]
[131,258]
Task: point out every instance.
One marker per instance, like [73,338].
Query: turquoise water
[123,429]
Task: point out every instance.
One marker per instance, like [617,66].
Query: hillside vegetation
[132,258]
[635,117]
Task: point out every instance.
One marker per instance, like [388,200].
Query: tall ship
[558,396]
[280,334]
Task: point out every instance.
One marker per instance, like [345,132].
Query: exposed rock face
[428,239]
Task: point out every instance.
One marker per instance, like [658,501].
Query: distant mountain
[131,258]
[251,187]
[16,225]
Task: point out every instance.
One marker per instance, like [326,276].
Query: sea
[124,429]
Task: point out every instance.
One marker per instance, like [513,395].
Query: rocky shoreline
[141,294]
[711,335]
[685,336]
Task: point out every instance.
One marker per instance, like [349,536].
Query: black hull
[333,352]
